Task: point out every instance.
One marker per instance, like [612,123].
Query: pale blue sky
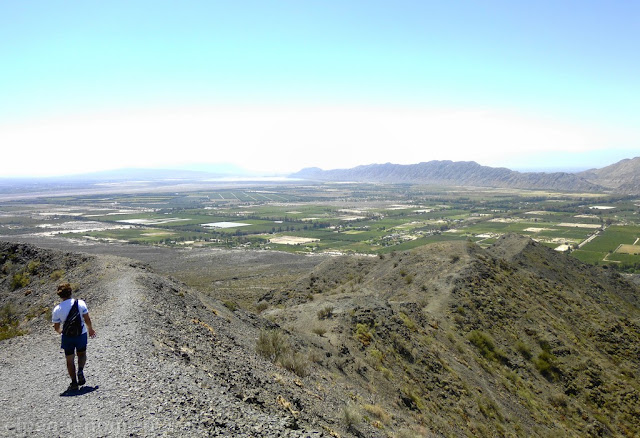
[280,85]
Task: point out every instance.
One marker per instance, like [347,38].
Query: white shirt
[61,311]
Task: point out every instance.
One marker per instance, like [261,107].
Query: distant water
[252,178]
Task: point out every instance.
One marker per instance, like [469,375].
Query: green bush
[524,350]
[19,280]
[363,334]
[57,274]
[407,321]
[8,314]
[376,354]
[545,363]
[7,332]
[33,266]
[9,323]
[486,346]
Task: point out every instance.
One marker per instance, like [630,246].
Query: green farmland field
[354,218]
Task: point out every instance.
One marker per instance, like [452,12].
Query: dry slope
[451,339]
[445,340]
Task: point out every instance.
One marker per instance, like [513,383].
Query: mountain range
[623,177]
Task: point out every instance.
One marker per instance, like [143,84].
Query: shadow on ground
[82,391]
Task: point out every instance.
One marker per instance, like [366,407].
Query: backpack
[73,324]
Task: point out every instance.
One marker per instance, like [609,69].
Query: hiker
[71,319]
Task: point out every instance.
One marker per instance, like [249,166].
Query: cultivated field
[334,218]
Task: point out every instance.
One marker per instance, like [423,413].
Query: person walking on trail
[71,319]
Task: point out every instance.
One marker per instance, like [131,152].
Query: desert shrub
[262,306]
[351,416]
[489,409]
[7,267]
[524,350]
[274,345]
[319,330]
[407,321]
[19,280]
[558,400]
[231,305]
[486,346]
[294,362]
[57,274]
[455,258]
[378,412]
[376,354]
[545,345]
[8,314]
[325,313]
[545,363]
[363,334]
[33,266]
[408,279]
[411,399]
[10,331]
[386,372]
[9,322]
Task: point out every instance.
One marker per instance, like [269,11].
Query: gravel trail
[131,389]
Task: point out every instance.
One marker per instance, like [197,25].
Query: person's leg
[82,359]
[71,367]
[81,348]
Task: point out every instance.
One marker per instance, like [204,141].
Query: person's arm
[56,327]
[87,321]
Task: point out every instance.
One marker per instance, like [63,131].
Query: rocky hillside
[450,339]
[451,173]
[167,360]
[624,176]
[445,340]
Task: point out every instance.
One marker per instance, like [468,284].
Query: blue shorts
[70,344]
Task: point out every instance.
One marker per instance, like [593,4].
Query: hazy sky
[281,85]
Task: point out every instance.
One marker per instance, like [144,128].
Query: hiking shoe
[73,386]
[81,379]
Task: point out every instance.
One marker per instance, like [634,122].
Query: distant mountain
[454,173]
[137,174]
[624,176]
[186,173]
